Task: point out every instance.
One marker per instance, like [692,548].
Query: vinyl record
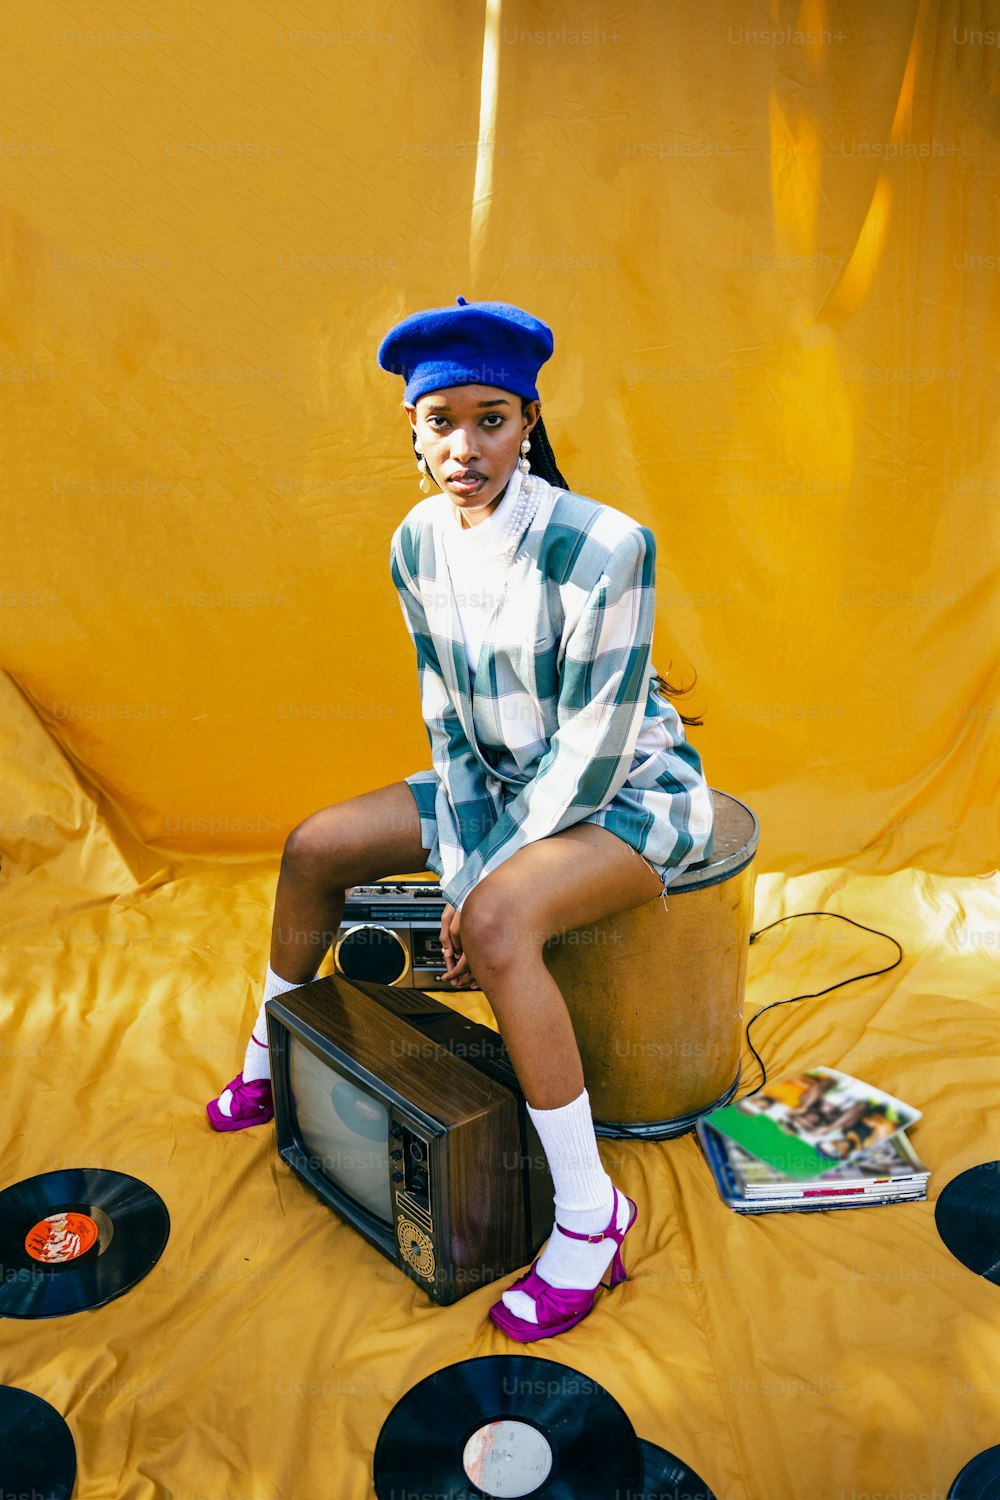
[967,1215]
[509,1426]
[980,1479]
[76,1239]
[37,1455]
[664,1477]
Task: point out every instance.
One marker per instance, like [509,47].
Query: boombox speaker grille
[371,952]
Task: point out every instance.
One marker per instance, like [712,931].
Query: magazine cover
[892,1163]
[804,1126]
[719,1153]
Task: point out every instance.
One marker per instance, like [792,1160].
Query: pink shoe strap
[253,1087]
[553,1303]
[610,1233]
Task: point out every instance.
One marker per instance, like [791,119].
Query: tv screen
[345,1130]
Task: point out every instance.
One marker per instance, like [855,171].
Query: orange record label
[60,1237]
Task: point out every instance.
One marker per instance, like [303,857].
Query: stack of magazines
[819,1140]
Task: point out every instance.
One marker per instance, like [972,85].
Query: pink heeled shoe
[252,1104]
[560,1308]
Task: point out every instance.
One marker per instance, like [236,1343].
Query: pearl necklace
[523,512]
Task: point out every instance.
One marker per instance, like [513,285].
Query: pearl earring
[422,466]
[523,463]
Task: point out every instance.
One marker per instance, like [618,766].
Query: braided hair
[543,460]
[543,463]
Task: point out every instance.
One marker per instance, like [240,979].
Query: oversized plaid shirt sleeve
[602,697]
[463,808]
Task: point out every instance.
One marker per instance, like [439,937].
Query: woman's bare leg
[349,843]
[550,887]
[555,885]
[560,883]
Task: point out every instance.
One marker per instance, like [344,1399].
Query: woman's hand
[456,965]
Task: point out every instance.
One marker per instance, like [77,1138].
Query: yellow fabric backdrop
[766,238]
[771,271]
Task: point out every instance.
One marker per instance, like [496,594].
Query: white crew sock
[584,1198]
[257,1060]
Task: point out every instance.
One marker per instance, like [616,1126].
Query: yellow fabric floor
[834,1356]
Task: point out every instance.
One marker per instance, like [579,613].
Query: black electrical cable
[872,973]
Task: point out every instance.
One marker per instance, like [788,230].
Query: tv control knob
[396,1131]
[396,1155]
[397,1176]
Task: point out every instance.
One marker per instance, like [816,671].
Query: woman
[562,790]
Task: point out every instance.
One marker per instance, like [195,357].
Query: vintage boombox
[390,934]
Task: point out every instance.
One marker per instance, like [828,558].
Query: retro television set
[407,1120]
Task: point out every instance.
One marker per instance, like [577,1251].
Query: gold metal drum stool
[656,994]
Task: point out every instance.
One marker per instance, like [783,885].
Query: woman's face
[471,436]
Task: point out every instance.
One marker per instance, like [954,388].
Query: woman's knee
[360,839]
[496,926]
[314,850]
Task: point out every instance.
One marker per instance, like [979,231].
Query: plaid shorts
[619,815]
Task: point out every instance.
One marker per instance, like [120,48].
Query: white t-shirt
[478,566]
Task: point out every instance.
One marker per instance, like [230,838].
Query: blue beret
[472,343]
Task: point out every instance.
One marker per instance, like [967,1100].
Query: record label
[61,1237]
[508,1459]
[37,1453]
[967,1215]
[76,1239]
[509,1426]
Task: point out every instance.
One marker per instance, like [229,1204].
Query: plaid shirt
[565,724]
